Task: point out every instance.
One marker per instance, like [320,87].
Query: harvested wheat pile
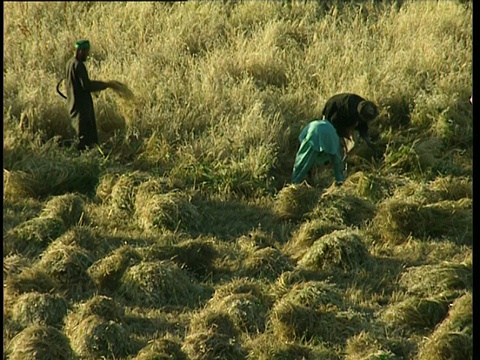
[245,285]
[264,347]
[169,211]
[340,250]
[370,186]
[208,320]
[292,321]
[267,263]
[31,237]
[105,185]
[68,265]
[95,338]
[368,346]
[88,239]
[123,192]
[158,284]
[40,342]
[68,207]
[107,271]
[340,208]
[294,201]
[43,176]
[246,311]
[13,265]
[36,308]
[314,295]
[439,189]
[162,349]
[453,338]
[307,234]
[415,313]
[212,345]
[397,219]
[195,255]
[444,279]
[257,238]
[30,280]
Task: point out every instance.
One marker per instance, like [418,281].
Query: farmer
[79,98]
[345,109]
[320,144]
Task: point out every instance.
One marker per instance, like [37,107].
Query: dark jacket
[342,111]
[80,103]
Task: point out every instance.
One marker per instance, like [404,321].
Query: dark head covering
[367,110]
[82,44]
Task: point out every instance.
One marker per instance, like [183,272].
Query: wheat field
[180,235]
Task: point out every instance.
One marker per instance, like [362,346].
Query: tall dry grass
[221,92]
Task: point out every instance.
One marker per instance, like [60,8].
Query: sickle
[58,89]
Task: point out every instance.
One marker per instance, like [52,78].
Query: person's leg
[304,160]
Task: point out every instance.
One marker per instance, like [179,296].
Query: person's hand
[338,183]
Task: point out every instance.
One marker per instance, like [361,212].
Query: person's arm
[338,168]
[87,84]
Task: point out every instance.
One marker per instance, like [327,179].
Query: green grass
[183,217]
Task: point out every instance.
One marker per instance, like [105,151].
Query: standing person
[345,109]
[79,98]
[320,144]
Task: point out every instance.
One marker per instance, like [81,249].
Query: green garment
[319,143]
[80,103]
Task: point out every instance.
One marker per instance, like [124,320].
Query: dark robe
[80,103]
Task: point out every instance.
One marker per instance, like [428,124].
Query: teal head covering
[82,44]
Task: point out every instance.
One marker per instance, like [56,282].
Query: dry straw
[211,345]
[294,201]
[340,250]
[31,237]
[307,234]
[107,271]
[36,308]
[40,342]
[399,218]
[31,279]
[67,265]
[121,90]
[169,211]
[95,338]
[195,255]
[167,347]
[158,284]
[444,279]
[453,338]
[68,207]
[265,263]
[415,313]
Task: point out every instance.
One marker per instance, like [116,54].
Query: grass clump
[197,256]
[453,338]
[31,237]
[211,345]
[444,279]
[68,207]
[307,234]
[95,338]
[294,201]
[169,211]
[340,250]
[267,263]
[107,271]
[164,348]
[397,219]
[68,265]
[31,279]
[416,313]
[35,308]
[159,284]
[40,342]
